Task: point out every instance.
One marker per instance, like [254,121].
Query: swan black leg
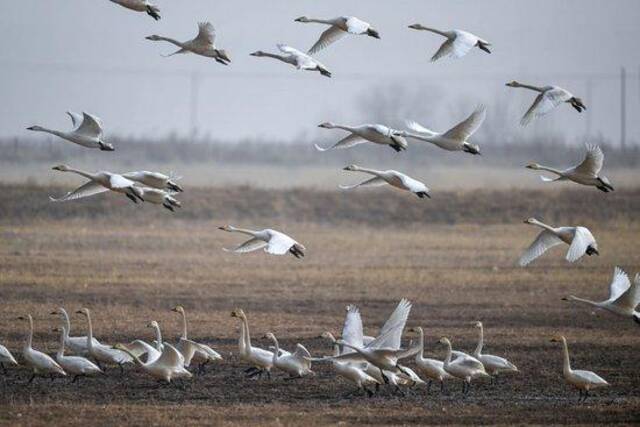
[428,386]
[4,369]
[75,378]
[33,377]
[130,197]
[168,207]
[121,369]
[442,387]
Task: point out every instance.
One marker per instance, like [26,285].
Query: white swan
[87,131]
[492,364]
[292,56]
[624,296]
[103,354]
[274,242]
[391,177]
[456,138]
[465,368]
[431,368]
[41,363]
[77,345]
[550,97]
[296,364]
[141,6]
[261,360]
[586,173]
[155,180]
[168,366]
[579,239]
[191,350]
[160,197]
[203,44]
[458,42]
[378,134]
[582,380]
[6,357]
[338,27]
[77,366]
[99,182]
[141,348]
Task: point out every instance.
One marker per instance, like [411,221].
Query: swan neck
[549,169]
[530,87]
[245,231]
[567,363]
[583,300]
[275,56]
[90,336]
[447,359]
[320,21]
[184,325]
[433,30]
[172,41]
[247,335]
[134,357]
[60,352]
[81,173]
[369,171]
[30,336]
[480,341]
[67,323]
[158,338]
[543,225]
[275,353]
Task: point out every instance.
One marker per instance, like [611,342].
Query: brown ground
[130,270]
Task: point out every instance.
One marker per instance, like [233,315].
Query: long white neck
[277,351]
[27,345]
[351,129]
[247,335]
[567,363]
[90,336]
[543,225]
[184,324]
[433,30]
[584,300]
[241,341]
[60,352]
[67,329]
[82,173]
[50,131]
[480,341]
[172,41]
[420,355]
[320,21]
[447,359]
[276,56]
[530,87]
[369,171]
[243,231]
[158,338]
[549,169]
[135,358]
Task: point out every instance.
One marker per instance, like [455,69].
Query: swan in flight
[465,368]
[102,353]
[161,197]
[375,133]
[549,98]
[292,56]
[156,180]
[77,345]
[296,364]
[586,173]
[203,44]
[456,138]
[274,242]
[431,368]
[338,27]
[41,363]
[87,131]
[141,6]
[582,380]
[261,360]
[624,296]
[191,350]
[99,182]
[458,42]
[391,177]
[168,366]
[78,366]
[6,357]
[492,364]
[579,239]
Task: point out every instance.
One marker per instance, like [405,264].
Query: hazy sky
[91,55]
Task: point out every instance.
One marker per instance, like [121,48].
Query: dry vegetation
[132,264]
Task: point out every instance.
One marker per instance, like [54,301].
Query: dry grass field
[454,256]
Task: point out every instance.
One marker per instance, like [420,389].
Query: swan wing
[88,189]
[544,103]
[590,377]
[463,130]
[206,34]
[619,284]
[463,43]
[170,356]
[76,119]
[445,49]
[119,181]
[417,127]
[279,244]
[545,240]
[301,352]
[250,245]
[352,330]
[582,238]
[346,142]
[6,354]
[329,36]
[90,126]
[376,181]
[356,26]
[302,59]
[630,298]
[592,163]
[391,332]
[410,184]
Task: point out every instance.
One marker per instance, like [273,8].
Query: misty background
[83,55]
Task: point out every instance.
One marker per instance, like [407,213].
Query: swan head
[257,53]
[534,166]
[328,336]
[415,330]
[577,104]
[371,32]
[270,336]
[471,148]
[153,324]
[36,128]
[351,168]
[302,19]
[153,37]
[513,83]
[416,26]
[239,313]
[327,125]
[121,347]
[57,311]
[227,228]
[178,309]
[477,324]
[531,221]
[444,340]
[27,317]
[61,168]
[106,146]
[557,338]
[83,311]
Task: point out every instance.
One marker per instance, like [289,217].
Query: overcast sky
[91,55]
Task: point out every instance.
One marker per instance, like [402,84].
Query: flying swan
[274,242]
[292,56]
[391,177]
[87,131]
[458,42]
[141,6]
[378,134]
[203,44]
[549,98]
[338,27]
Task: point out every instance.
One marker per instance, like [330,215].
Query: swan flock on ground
[368,363]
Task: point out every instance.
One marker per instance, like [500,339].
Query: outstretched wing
[445,49]
[250,245]
[346,142]
[543,242]
[206,34]
[88,189]
[391,332]
[76,119]
[170,356]
[619,284]
[352,329]
[631,297]
[592,163]
[463,130]
[581,241]
[302,59]
[301,352]
[328,37]
[417,127]
[544,103]
[376,181]
[90,126]
[119,181]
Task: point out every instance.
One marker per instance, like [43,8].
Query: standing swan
[391,177]
[191,350]
[87,131]
[465,368]
[77,345]
[261,360]
[338,27]
[165,368]
[624,296]
[296,364]
[141,6]
[203,44]
[41,364]
[579,239]
[6,357]
[582,380]
[103,354]
[274,242]
[99,182]
[76,365]
[432,368]
[492,364]
[292,56]
[550,97]
[378,134]
[586,173]
[458,42]
[456,138]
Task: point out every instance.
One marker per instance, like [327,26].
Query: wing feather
[543,242]
[328,37]
[88,189]
[581,241]
[346,142]
[250,245]
[466,128]
[593,161]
